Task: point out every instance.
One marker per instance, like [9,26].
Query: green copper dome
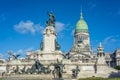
[81,25]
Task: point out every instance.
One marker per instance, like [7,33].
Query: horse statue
[36,68]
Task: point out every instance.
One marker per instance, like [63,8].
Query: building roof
[81,25]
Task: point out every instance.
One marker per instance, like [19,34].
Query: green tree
[117,67]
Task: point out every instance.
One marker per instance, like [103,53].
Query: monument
[79,62]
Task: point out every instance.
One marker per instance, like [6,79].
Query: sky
[22,23]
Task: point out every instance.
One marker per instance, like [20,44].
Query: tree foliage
[117,67]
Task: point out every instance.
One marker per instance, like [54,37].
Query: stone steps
[84,75]
[34,77]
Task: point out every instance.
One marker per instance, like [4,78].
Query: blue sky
[23,21]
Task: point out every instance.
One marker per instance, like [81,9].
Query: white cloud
[24,27]
[39,28]
[1,55]
[28,26]
[105,41]
[59,27]
[111,39]
[22,52]
[29,49]
[111,43]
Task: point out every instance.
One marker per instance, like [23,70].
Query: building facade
[90,64]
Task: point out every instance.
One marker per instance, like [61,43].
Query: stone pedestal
[101,60]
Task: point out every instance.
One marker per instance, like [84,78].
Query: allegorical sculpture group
[38,68]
